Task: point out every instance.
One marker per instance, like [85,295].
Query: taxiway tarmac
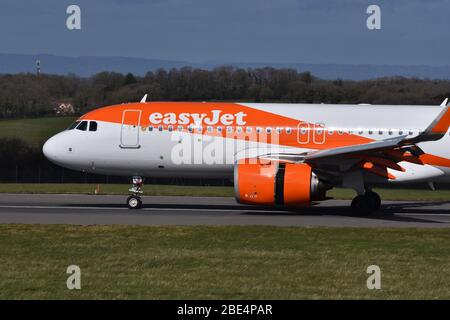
[109,209]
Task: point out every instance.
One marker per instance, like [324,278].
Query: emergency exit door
[129,135]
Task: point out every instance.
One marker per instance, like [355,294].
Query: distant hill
[364,71]
[88,65]
[82,66]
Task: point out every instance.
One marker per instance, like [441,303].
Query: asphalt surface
[107,210]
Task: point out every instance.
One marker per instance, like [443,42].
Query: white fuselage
[118,148]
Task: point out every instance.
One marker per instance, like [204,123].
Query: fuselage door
[129,135]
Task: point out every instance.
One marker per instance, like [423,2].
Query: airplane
[284,155]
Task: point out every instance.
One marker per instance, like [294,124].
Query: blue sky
[414,32]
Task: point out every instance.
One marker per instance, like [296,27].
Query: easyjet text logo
[213,118]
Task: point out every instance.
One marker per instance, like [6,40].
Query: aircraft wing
[360,148]
[379,155]
[325,153]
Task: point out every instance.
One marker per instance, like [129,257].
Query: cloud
[327,5]
[134,2]
[251,30]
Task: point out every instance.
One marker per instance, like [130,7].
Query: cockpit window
[73,125]
[82,126]
[92,126]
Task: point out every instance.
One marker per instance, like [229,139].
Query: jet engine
[274,183]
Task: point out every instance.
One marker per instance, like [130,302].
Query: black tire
[363,205]
[375,198]
[134,202]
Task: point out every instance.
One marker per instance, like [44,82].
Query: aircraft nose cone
[50,149]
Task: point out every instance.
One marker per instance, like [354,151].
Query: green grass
[34,131]
[397,194]
[155,190]
[119,262]
[170,190]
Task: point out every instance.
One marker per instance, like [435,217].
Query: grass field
[34,131]
[222,262]
[170,190]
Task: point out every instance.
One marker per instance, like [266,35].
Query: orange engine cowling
[274,183]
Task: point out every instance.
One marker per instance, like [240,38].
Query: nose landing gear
[134,201]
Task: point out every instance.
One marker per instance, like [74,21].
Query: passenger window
[73,125]
[92,126]
[82,126]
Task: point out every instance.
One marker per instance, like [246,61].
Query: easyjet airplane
[277,154]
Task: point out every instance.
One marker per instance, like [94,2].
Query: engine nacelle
[274,183]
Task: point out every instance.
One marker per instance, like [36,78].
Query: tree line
[29,95]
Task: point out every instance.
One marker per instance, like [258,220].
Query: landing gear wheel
[363,205]
[375,198]
[134,202]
